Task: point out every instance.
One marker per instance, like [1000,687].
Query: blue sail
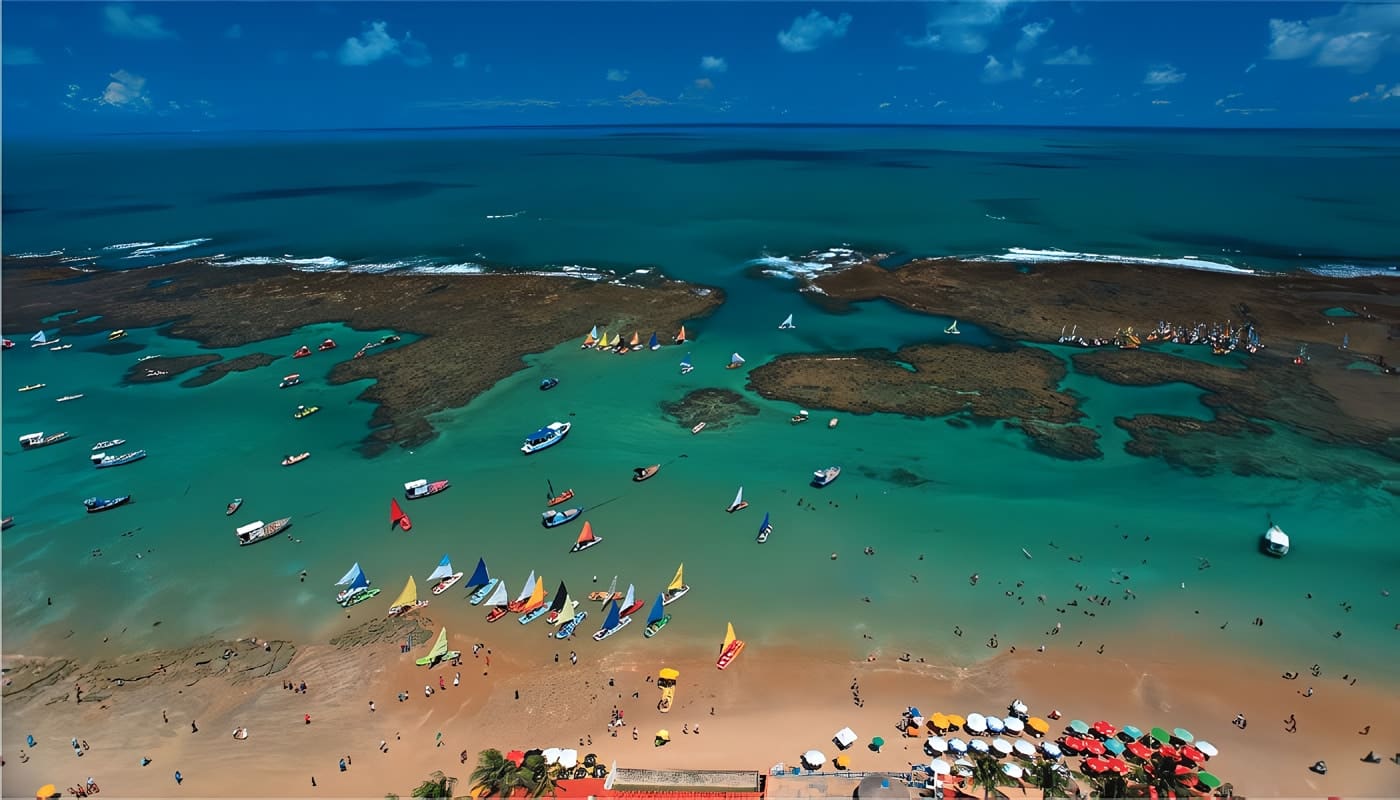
[765,526]
[653,344]
[614,617]
[685,362]
[656,612]
[480,577]
[351,576]
[361,582]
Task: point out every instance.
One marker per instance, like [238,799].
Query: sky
[91,68]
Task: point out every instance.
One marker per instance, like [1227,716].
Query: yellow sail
[439,649]
[678,581]
[729,638]
[537,596]
[603,342]
[408,596]
[566,614]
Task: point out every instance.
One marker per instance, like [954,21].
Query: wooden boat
[586,539]
[6,343]
[613,623]
[739,502]
[29,441]
[535,607]
[640,474]
[735,361]
[553,519]
[546,437]
[787,324]
[498,602]
[355,582]
[439,652]
[676,589]
[115,335]
[96,504]
[397,517]
[303,412]
[359,597]
[287,461]
[657,618]
[697,429]
[69,397]
[32,387]
[603,597]
[561,599]
[630,603]
[233,507]
[444,575]
[290,380]
[302,352]
[680,338]
[414,490]
[407,600]
[255,532]
[822,477]
[764,529]
[730,650]
[568,626]
[521,599]
[328,344]
[555,499]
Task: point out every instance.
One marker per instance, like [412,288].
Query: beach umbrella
[957,745]
[976,723]
[1208,779]
[1095,764]
[46,791]
[1104,728]
[551,755]
[1140,750]
[1184,735]
[940,767]
[664,735]
[516,757]
[1013,724]
[813,759]
[979,745]
[1024,748]
[1114,746]
[668,674]
[1207,749]
[1193,754]
[1038,726]
[1072,743]
[1169,751]
[914,711]
[1001,746]
[939,721]
[1050,749]
[994,724]
[1078,726]
[956,721]
[1012,771]
[877,743]
[936,744]
[842,762]
[1161,735]
[1018,707]
[1131,731]
[568,759]
[1093,746]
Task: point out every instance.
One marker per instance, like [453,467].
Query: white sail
[444,570]
[566,614]
[499,597]
[39,338]
[786,324]
[612,587]
[529,587]
[738,498]
[631,596]
[349,576]
[736,359]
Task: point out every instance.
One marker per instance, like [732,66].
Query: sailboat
[680,337]
[534,611]
[952,330]
[630,603]
[739,503]
[603,342]
[613,623]
[787,324]
[1346,341]
[731,648]
[636,341]
[586,539]
[444,575]
[591,339]
[604,597]
[407,600]
[764,529]
[519,601]
[534,606]
[481,578]
[653,344]
[40,339]
[439,652]
[569,619]
[735,361]
[657,619]
[397,517]
[348,580]
[676,589]
[556,499]
[358,591]
[561,598]
[498,602]
[686,366]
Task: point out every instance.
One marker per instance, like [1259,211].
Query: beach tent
[845,738]
[1161,735]
[668,674]
[662,737]
[1050,749]
[1140,750]
[1093,747]
[1209,780]
[551,755]
[813,759]
[976,723]
[956,721]
[1104,728]
[939,721]
[1017,707]
[935,744]
[516,757]
[1114,746]
[957,745]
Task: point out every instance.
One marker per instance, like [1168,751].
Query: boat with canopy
[397,517]
[407,600]
[739,503]
[444,575]
[439,652]
[255,532]
[482,581]
[677,588]
[498,602]
[612,623]
[730,650]
[413,490]
[657,619]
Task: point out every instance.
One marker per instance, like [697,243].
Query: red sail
[397,517]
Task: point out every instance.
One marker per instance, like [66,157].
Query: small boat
[555,499]
[303,412]
[630,603]
[444,575]
[355,582]
[586,539]
[567,628]
[831,423]
[117,461]
[60,347]
[521,599]
[486,589]
[553,519]
[68,397]
[686,366]
[287,461]
[822,477]
[764,529]
[439,652]
[29,441]
[397,517]
[653,344]
[7,343]
[657,618]
[676,589]
[1026,553]
[302,352]
[612,623]
[7,522]
[952,330]
[255,532]
[735,361]
[146,358]
[697,428]
[95,504]
[565,612]
[482,581]
[636,342]
[390,339]
[640,474]
[41,339]
[407,600]
[548,436]
[115,335]
[730,650]
[233,507]
[328,344]
[535,607]
[561,598]
[290,380]
[680,338]
[603,597]
[500,599]
[800,417]
[108,443]
[739,503]
[787,324]
[358,597]
[591,339]
[1275,542]
[603,342]
[548,383]
[31,387]
[414,490]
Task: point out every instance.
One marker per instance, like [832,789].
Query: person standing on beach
[179,779]
[193,727]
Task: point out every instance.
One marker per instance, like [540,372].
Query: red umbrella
[1093,746]
[1140,750]
[1104,729]
[1169,751]
[1118,765]
[1095,764]
[516,757]
[1192,754]
[1072,743]
[1188,779]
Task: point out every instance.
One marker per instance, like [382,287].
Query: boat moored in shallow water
[439,652]
[303,412]
[546,437]
[444,575]
[96,504]
[640,474]
[730,650]
[555,499]
[102,460]
[548,383]
[407,600]
[764,529]
[735,361]
[822,477]
[290,380]
[1275,542]
[414,490]
[255,532]
[397,517]
[739,502]
[657,618]
[287,461]
[586,539]
[554,519]
[612,623]
[676,589]
[233,507]
[29,441]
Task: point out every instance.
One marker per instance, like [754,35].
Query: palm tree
[1162,776]
[1050,777]
[537,776]
[1110,786]
[437,785]
[494,774]
[986,772]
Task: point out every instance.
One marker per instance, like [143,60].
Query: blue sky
[121,67]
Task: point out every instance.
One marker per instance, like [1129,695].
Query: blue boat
[686,366]
[481,579]
[567,629]
[548,436]
[613,623]
[553,519]
[548,383]
[658,617]
[96,504]
[764,529]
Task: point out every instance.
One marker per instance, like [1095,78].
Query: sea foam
[154,250]
[1025,254]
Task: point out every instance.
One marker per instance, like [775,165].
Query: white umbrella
[1207,748]
[813,758]
[976,722]
[1017,707]
[936,743]
[1001,746]
[551,755]
[1012,770]
[940,767]
[568,759]
[957,745]
[845,738]
[1025,748]
[994,724]
[980,745]
[1051,749]
[1014,725]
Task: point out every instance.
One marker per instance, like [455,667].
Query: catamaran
[439,652]
[535,610]
[603,597]
[764,529]
[534,605]
[653,344]
[444,575]
[739,502]
[561,598]
[407,600]
[657,619]
[735,361]
[677,588]
[731,648]
[255,532]
[613,623]
[555,499]
[422,488]
[686,366]
[498,602]
[787,324]
[630,603]
[952,330]
[519,601]
[397,517]
[586,539]
[569,620]
[482,580]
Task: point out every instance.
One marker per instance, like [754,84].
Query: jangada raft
[730,650]
[255,532]
[586,539]
[407,600]
[444,576]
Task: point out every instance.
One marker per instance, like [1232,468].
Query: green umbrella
[878,742]
[1208,780]
[1161,735]
[1184,735]
[1132,732]
[1078,726]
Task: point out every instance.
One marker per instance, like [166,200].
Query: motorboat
[800,417]
[32,387]
[328,344]
[548,383]
[303,412]
[302,352]
[233,507]
[553,519]
[414,490]
[545,437]
[822,477]
[697,428]
[58,348]
[290,380]
[287,461]
[255,532]
[108,443]
[115,335]
[29,441]
[70,397]
[96,504]
[1275,542]
[102,460]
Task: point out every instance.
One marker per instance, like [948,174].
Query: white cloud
[1354,38]
[375,44]
[641,98]
[884,105]
[120,21]
[961,27]
[714,64]
[127,90]
[704,84]
[1161,102]
[618,75]
[1381,92]
[1164,75]
[459,61]
[996,72]
[20,56]
[810,32]
[1220,103]
[905,68]
[1073,57]
[234,31]
[1031,33]
[1250,68]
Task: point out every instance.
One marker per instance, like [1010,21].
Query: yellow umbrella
[664,735]
[1038,725]
[956,720]
[46,791]
[843,762]
[669,674]
[939,721]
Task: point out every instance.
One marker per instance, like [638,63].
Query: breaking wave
[1028,255]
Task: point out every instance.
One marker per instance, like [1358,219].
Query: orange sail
[587,535]
[397,517]
[680,337]
[636,340]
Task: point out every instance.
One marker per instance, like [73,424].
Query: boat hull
[603,597]
[567,517]
[668,599]
[632,609]
[399,611]
[419,492]
[533,614]
[120,461]
[730,653]
[233,507]
[291,460]
[579,547]
[481,594]
[697,429]
[606,632]
[564,497]
[640,474]
[267,531]
[358,597]
[496,613]
[569,627]
[737,507]
[655,627]
[451,655]
[530,448]
[107,505]
[447,583]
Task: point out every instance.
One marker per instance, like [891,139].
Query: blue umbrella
[1114,746]
[914,712]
